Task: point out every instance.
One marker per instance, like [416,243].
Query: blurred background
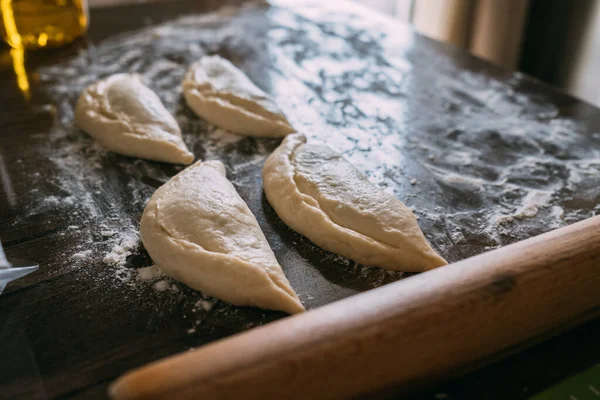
[557,41]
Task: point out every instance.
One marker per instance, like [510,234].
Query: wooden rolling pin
[412,331]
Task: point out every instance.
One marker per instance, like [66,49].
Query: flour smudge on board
[481,161]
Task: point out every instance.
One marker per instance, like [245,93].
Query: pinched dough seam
[353,232]
[241,102]
[137,128]
[177,241]
[237,103]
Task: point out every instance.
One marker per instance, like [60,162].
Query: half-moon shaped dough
[199,231]
[316,192]
[220,93]
[125,116]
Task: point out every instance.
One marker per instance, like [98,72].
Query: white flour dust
[206,304]
[128,243]
[118,255]
[481,162]
[85,172]
[82,255]
[149,273]
[530,207]
[163,286]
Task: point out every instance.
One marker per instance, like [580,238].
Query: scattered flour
[108,233]
[532,202]
[473,184]
[334,102]
[205,304]
[129,242]
[557,212]
[149,273]
[163,286]
[51,200]
[82,255]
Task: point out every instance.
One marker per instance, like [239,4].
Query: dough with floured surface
[199,231]
[319,194]
[126,117]
[223,95]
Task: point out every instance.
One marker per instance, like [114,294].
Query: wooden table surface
[485,157]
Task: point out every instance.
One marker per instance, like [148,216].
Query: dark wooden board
[461,141]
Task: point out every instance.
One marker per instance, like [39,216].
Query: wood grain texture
[407,332]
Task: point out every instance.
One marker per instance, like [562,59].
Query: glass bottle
[32,24]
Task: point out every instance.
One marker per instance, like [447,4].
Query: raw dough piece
[220,93]
[316,192]
[200,232]
[128,118]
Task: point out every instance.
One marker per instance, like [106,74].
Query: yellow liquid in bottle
[42,23]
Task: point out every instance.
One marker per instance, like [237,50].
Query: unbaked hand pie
[200,232]
[320,195]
